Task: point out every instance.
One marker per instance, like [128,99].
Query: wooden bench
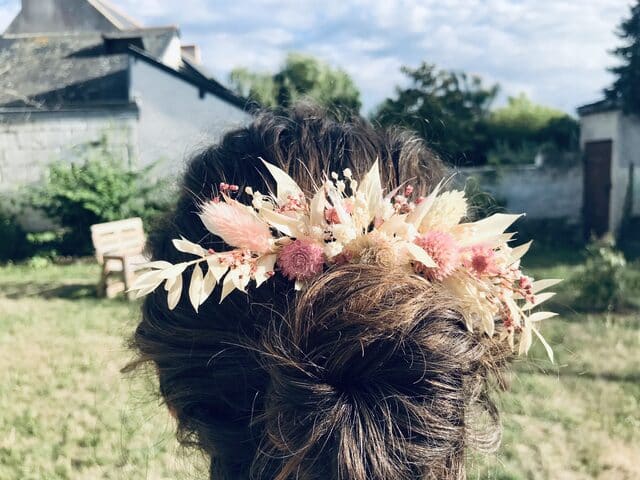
[119,249]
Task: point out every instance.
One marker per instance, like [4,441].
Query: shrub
[13,239]
[481,203]
[561,233]
[97,187]
[600,283]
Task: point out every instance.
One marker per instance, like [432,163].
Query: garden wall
[542,192]
[31,141]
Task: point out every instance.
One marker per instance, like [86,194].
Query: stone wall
[542,192]
[29,142]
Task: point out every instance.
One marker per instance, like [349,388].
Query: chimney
[63,16]
[191,53]
[40,13]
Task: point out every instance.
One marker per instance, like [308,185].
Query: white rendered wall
[624,132]
[540,192]
[174,120]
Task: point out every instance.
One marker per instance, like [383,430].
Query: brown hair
[369,373]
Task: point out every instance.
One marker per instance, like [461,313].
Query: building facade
[75,71]
[610,142]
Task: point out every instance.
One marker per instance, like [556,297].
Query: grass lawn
[66,412]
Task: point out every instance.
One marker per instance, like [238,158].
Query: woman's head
[368,373]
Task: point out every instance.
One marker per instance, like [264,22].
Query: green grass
[66,411]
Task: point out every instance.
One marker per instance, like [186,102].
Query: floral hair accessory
[347,221]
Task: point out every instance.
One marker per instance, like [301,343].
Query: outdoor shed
[610,142]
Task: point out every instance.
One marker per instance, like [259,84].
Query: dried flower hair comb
[290,235]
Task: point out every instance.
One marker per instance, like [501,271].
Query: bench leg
[128,274]
[101,289]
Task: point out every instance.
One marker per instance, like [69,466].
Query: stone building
[75,71]
[610,141]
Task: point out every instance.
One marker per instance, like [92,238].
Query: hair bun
[371,378]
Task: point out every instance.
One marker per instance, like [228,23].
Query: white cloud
[555,50]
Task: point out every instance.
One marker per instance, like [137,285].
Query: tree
[626,87]
[300,76]
[521,121]
[448,109]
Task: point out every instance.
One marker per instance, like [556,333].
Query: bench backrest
[123,237]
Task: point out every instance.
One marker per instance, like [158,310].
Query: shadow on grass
[69,291]
[630,377]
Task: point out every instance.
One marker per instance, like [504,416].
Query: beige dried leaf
[174,293]
[195,286]
[185,246]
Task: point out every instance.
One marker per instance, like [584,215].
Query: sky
[555,51]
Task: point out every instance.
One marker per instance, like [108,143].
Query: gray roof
[606,105]
[76,54]
[52,71]
[118,18]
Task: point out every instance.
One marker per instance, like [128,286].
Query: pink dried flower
[301,259]
[226,187]
[482,261]
[444,251]
[331,214]
[526,288]
[236,225]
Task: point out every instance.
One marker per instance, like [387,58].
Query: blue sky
[553,50]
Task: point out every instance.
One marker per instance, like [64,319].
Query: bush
[481,203]
[97,187]
[13,239]
[600,283]
[505,154]
[561,233]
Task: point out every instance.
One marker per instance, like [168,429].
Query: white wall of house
[29,142]
[540,192]
[635,204]
[624,132]
[174,120]
[629,154]
[172,55]
[599,126]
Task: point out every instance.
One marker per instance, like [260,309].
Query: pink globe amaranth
[302,259]
[482,261]
[444,251]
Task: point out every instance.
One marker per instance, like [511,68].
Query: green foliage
[451,111]
[552,234]
[481,203]
[521,113]
[301,76]
[626,86]
[448,109]
[522,129]
[96,187]
[13,239]
[505,154]
[601,283]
